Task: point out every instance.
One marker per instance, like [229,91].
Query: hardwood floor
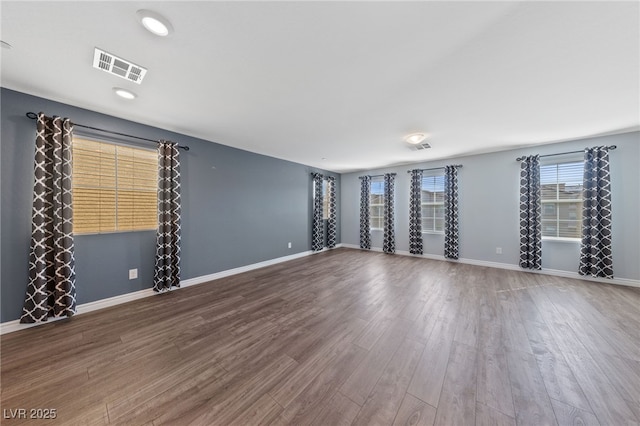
[341,337]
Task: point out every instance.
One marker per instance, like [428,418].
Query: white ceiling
[343,81]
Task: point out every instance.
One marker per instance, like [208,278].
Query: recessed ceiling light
[154,22]
[123,93]
[415,138]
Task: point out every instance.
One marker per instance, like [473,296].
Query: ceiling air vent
[117,66]
[420,146]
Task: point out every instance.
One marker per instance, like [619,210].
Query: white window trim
[572,158]
[374,205]
[376,179]
[324,190]
[565,239]
[96,138]
[562,239]
[432,231]
[432,174]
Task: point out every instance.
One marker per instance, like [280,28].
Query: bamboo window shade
[114,187]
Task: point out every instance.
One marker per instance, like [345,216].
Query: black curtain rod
[33,116]
[435,168]
[377,175]
[610,147]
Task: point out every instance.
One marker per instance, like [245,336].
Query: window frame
[557,163]
[116,144]
[432,230]
[325,198]
[376,179]
[324,190]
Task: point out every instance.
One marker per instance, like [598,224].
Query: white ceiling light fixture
[154,22]
[415,138]
[124,93]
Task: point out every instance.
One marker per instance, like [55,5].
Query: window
[114,187]
[325,199]
[561,198]
[376,204]
[433,204]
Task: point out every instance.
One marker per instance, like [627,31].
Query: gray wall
[489,207]
[238,208]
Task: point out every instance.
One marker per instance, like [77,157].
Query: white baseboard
[241,269]
[11,326]
[555,272]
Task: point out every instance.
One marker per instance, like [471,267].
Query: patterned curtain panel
[389,245]
[530,213]
[596,258]
[415,213]
[317,234]
[333,215]
[167,269]
[365,232]
[51,290]
[451,235]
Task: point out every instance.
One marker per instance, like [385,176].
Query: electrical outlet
[133,274]
[289,245]
[498,250]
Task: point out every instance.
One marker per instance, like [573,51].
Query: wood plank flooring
[339,338]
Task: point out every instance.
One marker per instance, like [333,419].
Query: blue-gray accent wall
[239,208]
